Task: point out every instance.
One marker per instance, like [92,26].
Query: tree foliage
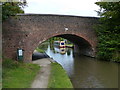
[109,31]
[12,8]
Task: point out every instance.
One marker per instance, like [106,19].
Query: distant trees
[12,8]
[109,31]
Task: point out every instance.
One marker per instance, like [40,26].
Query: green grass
[70,45]
[58,77]
[40,50]
[18,75]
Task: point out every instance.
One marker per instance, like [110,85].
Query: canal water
[85,72]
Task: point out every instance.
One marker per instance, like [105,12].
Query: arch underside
[81,46]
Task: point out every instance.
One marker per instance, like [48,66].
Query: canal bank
[42,78]
[51,75]
[85,72]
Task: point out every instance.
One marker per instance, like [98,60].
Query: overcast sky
[64,7]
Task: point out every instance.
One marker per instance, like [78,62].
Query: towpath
[41,80]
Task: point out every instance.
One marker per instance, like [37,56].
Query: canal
[85,72]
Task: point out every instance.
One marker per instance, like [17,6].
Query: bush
[108,31]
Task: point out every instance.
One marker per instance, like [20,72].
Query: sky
[62,7]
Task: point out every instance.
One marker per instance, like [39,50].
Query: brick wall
[28,31]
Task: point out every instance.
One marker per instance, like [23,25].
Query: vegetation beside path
[18,74]
[58,77]
[21,75]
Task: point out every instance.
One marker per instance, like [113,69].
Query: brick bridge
[27,31]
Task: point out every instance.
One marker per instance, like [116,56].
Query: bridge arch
[28,31]
[82,46]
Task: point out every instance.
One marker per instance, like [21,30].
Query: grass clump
[40,50]
[59,78]
[18,74]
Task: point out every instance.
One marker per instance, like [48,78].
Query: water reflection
[65,60]
[85,72]
[94,73]
[62,50]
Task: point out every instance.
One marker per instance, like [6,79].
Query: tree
[109,31]
[12,8]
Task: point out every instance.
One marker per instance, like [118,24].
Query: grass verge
[40,50]
[58,77]
[18,75]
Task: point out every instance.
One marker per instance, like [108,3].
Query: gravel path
[41,80]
